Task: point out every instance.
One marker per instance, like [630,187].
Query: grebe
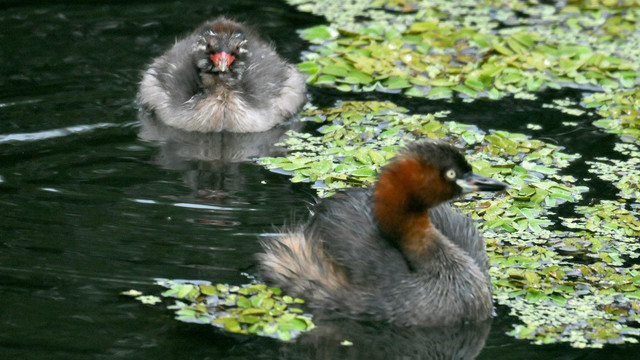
[222,77]
[398,251]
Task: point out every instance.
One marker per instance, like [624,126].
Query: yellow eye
[450,174]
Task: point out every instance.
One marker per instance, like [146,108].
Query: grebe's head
[427,173]
[220,45]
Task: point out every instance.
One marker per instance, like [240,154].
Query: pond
[88,209]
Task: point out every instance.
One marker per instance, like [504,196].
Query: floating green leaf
[248,309]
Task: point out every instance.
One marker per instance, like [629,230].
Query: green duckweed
[250,309]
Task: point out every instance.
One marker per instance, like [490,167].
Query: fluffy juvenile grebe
[397,252]
[222,77]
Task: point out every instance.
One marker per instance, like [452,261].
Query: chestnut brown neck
[401,204]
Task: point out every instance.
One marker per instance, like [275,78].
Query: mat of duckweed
[249,309]
[580,284]
[482,49]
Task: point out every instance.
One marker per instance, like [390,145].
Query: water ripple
[49,134]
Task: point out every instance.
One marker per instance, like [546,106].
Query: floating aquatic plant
[618,111]
[566,106]
[559,300]
[435,50]
[248,309]
[624,174]
[472,49]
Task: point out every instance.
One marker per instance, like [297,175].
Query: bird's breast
[221,109]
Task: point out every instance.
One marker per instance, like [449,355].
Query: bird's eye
[450,174]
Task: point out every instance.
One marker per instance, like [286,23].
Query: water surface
[88,209]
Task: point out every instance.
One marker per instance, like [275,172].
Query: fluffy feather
[254,91]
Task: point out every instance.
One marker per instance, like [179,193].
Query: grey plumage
[257,91]
[342,258]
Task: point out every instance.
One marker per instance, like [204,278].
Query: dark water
[87,209]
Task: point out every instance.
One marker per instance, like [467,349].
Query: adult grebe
[398,251]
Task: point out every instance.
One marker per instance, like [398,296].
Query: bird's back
[345,227]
